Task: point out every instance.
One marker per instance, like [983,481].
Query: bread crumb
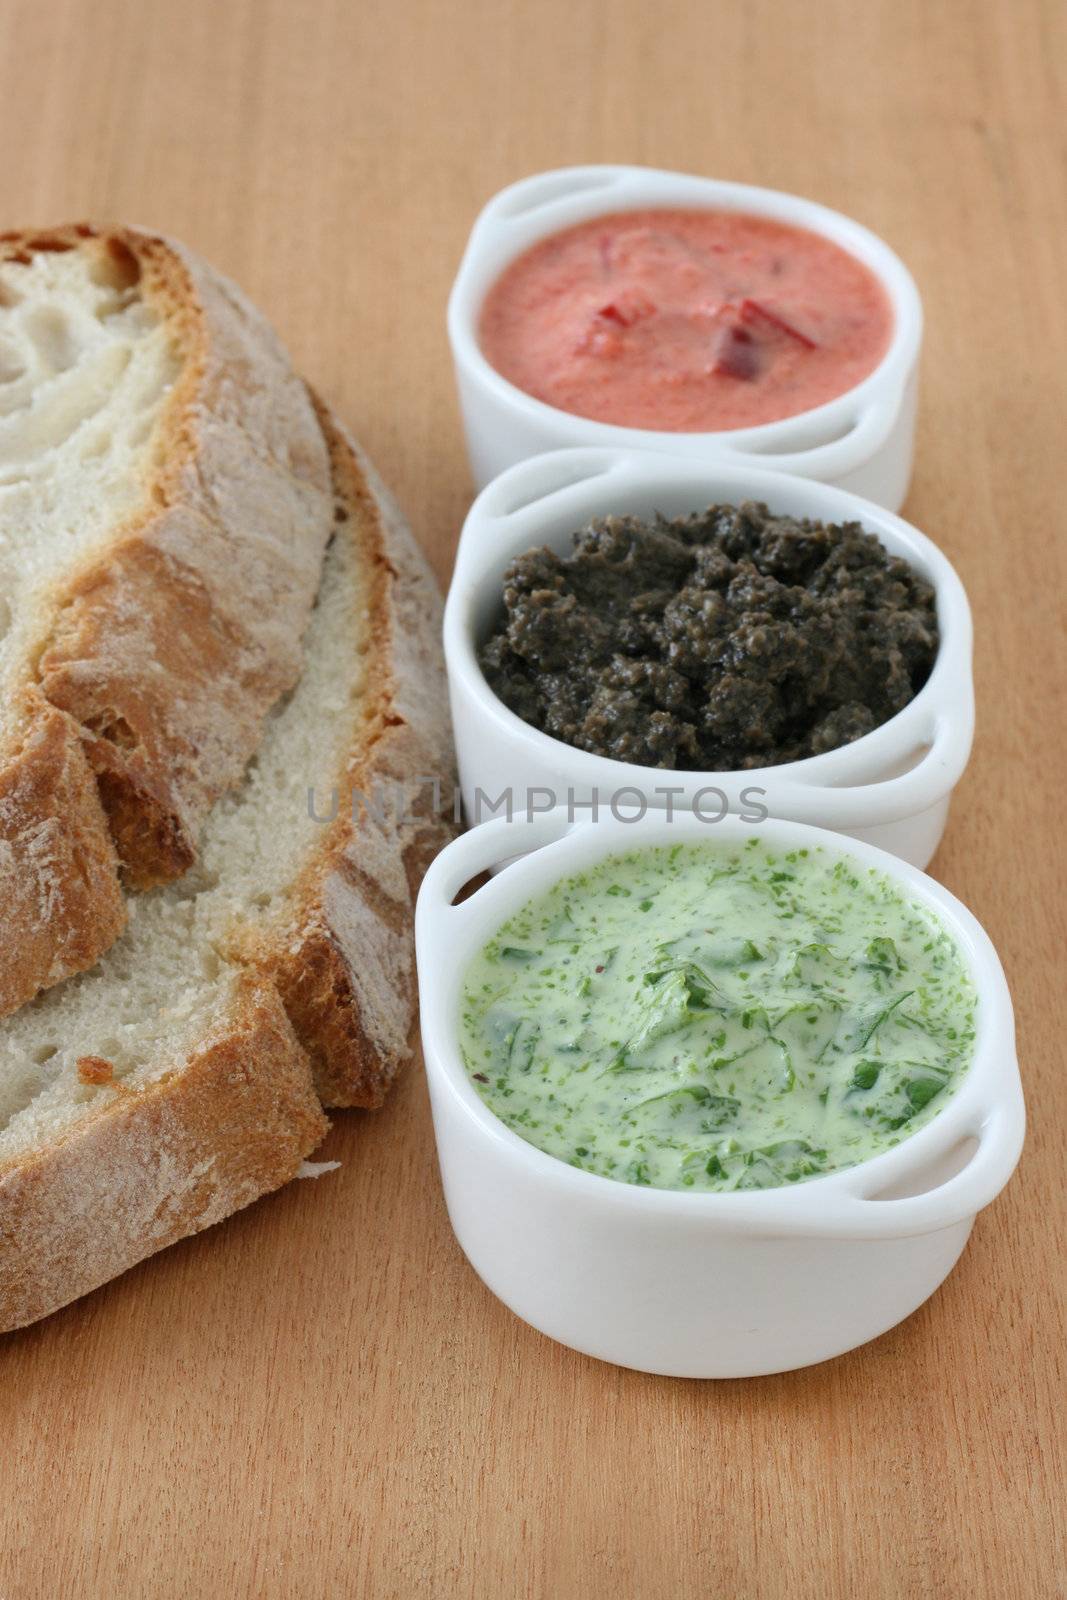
[316,1169]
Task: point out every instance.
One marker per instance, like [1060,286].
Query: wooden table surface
[318,1398]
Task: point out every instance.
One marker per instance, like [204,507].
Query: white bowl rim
[987,1106]
[570,191]
[947,689]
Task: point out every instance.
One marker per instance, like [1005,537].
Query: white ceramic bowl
[701,1285]
[861,441]
[891,788]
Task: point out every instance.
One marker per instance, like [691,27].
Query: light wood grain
[318,1398]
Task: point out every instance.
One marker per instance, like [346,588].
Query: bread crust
[149,1167]
[342,956]
[59,885]
[326,993]
[167,646]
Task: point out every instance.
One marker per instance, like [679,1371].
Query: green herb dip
[713,1018]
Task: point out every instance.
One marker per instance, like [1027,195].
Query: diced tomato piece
[754,311]
[735,352]
[627,309]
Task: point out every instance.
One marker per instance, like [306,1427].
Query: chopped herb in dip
[713,1018]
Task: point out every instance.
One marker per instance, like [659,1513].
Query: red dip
[686,321]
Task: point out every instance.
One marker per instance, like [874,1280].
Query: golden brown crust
[326,1002]
[168,647]
[343,956]
[60,901]
[149,1167]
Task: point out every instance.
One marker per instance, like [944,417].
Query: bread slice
[175,1082]
[164,509]
[339,945]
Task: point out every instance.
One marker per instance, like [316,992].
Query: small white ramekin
[860,441]
[891,787]
[701,1285]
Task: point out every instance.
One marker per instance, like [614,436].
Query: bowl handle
[545,189]
[477,851]
[892,799]
[867,434]
[861,1214]
[528,484]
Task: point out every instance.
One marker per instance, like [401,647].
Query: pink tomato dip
[686,321]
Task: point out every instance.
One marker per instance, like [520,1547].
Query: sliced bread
[175,1082]
[338,944]
[164,509]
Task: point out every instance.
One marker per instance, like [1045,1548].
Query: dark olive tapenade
[725,640]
